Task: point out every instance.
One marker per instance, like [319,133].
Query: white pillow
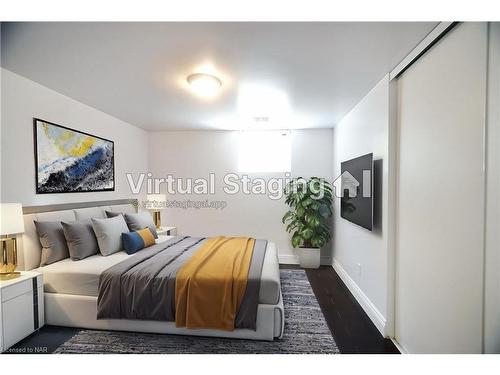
[109,234]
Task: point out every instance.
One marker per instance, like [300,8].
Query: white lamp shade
[156,201]
[11,218]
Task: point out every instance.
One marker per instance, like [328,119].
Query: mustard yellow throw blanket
[210,286]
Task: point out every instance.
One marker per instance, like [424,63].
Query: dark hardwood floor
[350,326]
[45,341]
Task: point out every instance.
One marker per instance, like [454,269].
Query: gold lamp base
[8,259]
[9,276]
[157,219]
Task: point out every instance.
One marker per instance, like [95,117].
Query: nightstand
[21,309]
[167,231]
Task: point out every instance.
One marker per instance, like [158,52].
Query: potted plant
[310,203]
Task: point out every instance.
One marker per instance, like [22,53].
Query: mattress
[82,277]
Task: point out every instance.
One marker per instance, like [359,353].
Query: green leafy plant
[310,203]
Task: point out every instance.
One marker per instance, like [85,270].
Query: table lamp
[156,202]
[11,223]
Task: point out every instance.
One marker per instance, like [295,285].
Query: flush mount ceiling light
[205,85]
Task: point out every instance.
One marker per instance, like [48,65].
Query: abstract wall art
[70,161]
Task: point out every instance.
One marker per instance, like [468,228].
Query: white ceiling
[136,71]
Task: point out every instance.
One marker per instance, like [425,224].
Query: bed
[71,288]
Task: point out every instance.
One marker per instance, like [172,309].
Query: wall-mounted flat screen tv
[356,202]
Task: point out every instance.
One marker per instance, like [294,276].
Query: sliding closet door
[440,249]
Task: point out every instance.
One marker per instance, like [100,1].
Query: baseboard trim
[375,316]
[398,345]
[294,259]
[288,259]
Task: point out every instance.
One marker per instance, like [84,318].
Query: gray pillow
[88,213]
[112,214]
[109,234]
[51,236]
[81,239]
[140,221]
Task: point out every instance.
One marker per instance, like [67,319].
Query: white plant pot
[309,257]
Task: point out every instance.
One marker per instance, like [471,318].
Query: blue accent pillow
[132,242]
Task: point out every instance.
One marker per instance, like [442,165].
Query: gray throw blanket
[143,286]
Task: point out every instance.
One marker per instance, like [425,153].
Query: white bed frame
[81,311]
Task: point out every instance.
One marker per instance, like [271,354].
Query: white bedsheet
[82,277]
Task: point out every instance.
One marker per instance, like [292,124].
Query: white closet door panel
[441,196]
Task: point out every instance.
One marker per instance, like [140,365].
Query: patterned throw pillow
[137,240]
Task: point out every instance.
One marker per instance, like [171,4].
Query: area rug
[305,332]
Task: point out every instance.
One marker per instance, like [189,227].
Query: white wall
[360,256]
[199,153]
[440,245]
[22,100]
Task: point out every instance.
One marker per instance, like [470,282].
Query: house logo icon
[347,186]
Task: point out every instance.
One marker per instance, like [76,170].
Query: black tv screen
[356,202]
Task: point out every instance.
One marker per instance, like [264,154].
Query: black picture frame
[35,143]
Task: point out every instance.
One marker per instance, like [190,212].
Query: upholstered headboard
[28,246]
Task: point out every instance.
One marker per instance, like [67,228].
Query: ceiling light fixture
[205,85]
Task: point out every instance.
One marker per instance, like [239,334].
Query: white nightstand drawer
[17,289]
[17,318]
